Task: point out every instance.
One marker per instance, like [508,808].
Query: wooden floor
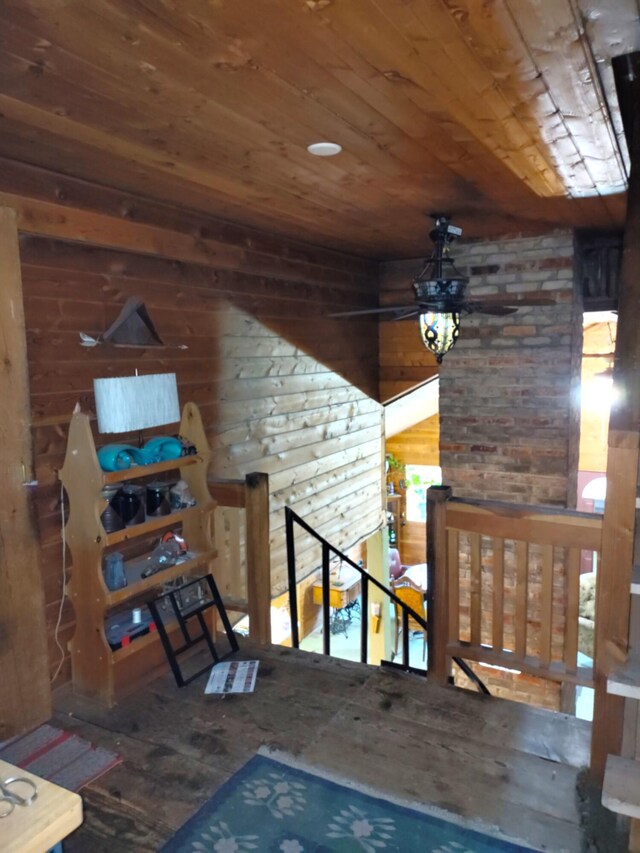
[509,764]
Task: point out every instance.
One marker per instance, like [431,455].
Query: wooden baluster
[498,594]
[258,556]
[475,586]
[546,605]
[454,586]
[522,588]
[572,610]
[291,574]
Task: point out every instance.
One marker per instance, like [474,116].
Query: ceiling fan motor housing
[434,291]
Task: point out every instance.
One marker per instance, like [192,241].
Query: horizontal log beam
[227,492]
[526,523]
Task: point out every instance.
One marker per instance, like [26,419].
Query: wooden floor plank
[501,762]
[536,731]
[525,798]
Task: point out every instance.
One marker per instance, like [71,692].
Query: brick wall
[505,684]
[509,420]
[509,409]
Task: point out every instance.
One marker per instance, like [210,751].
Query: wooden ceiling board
[64,157]
[91,115]
[559,48]
[529,78]
[457,85]
[398,169]
[112,111]
[412,111]
[333,203]
[496,112]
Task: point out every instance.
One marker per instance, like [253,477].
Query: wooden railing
[243,564]
[484,560]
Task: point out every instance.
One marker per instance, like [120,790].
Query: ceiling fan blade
[502,304]
[400,312]
[494,310]
[407,315]
[512,300]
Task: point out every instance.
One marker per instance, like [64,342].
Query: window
[419,478]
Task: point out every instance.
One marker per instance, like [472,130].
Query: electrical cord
[64,587]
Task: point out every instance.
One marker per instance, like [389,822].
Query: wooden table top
[345,578]
[53,815]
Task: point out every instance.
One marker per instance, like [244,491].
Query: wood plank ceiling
[501,112]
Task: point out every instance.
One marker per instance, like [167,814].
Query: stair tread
[635,581]
[621,788]
[625,681]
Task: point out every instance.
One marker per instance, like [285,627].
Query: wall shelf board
[139,471]
[137,585]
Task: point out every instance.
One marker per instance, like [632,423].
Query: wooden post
[25,691]
[437,586]
[258,557]
[614,572]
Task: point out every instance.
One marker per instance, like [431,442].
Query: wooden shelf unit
[97,671]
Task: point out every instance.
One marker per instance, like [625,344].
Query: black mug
[111,517]
[158,499]
[132,504]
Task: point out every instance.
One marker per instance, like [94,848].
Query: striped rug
[59,756]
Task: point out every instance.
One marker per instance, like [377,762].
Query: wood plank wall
[418,445]
[405,362]
[301,410]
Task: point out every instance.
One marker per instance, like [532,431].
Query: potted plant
[395,470]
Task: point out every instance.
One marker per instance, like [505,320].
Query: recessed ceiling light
[324,149]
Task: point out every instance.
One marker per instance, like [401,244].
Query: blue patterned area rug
[273,807]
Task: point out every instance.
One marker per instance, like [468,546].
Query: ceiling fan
[439,294]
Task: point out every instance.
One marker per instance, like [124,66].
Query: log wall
[280,389]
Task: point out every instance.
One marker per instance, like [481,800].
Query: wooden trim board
[25,692]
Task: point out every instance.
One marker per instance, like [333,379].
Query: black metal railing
[292,518]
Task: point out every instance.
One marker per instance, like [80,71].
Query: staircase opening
[358,591]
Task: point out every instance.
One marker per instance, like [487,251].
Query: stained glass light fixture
[439,332]
[442,286]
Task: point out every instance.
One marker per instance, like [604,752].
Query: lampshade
[129,403]
[439,332]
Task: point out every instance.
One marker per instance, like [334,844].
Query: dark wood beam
[613,598]
[25,692]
